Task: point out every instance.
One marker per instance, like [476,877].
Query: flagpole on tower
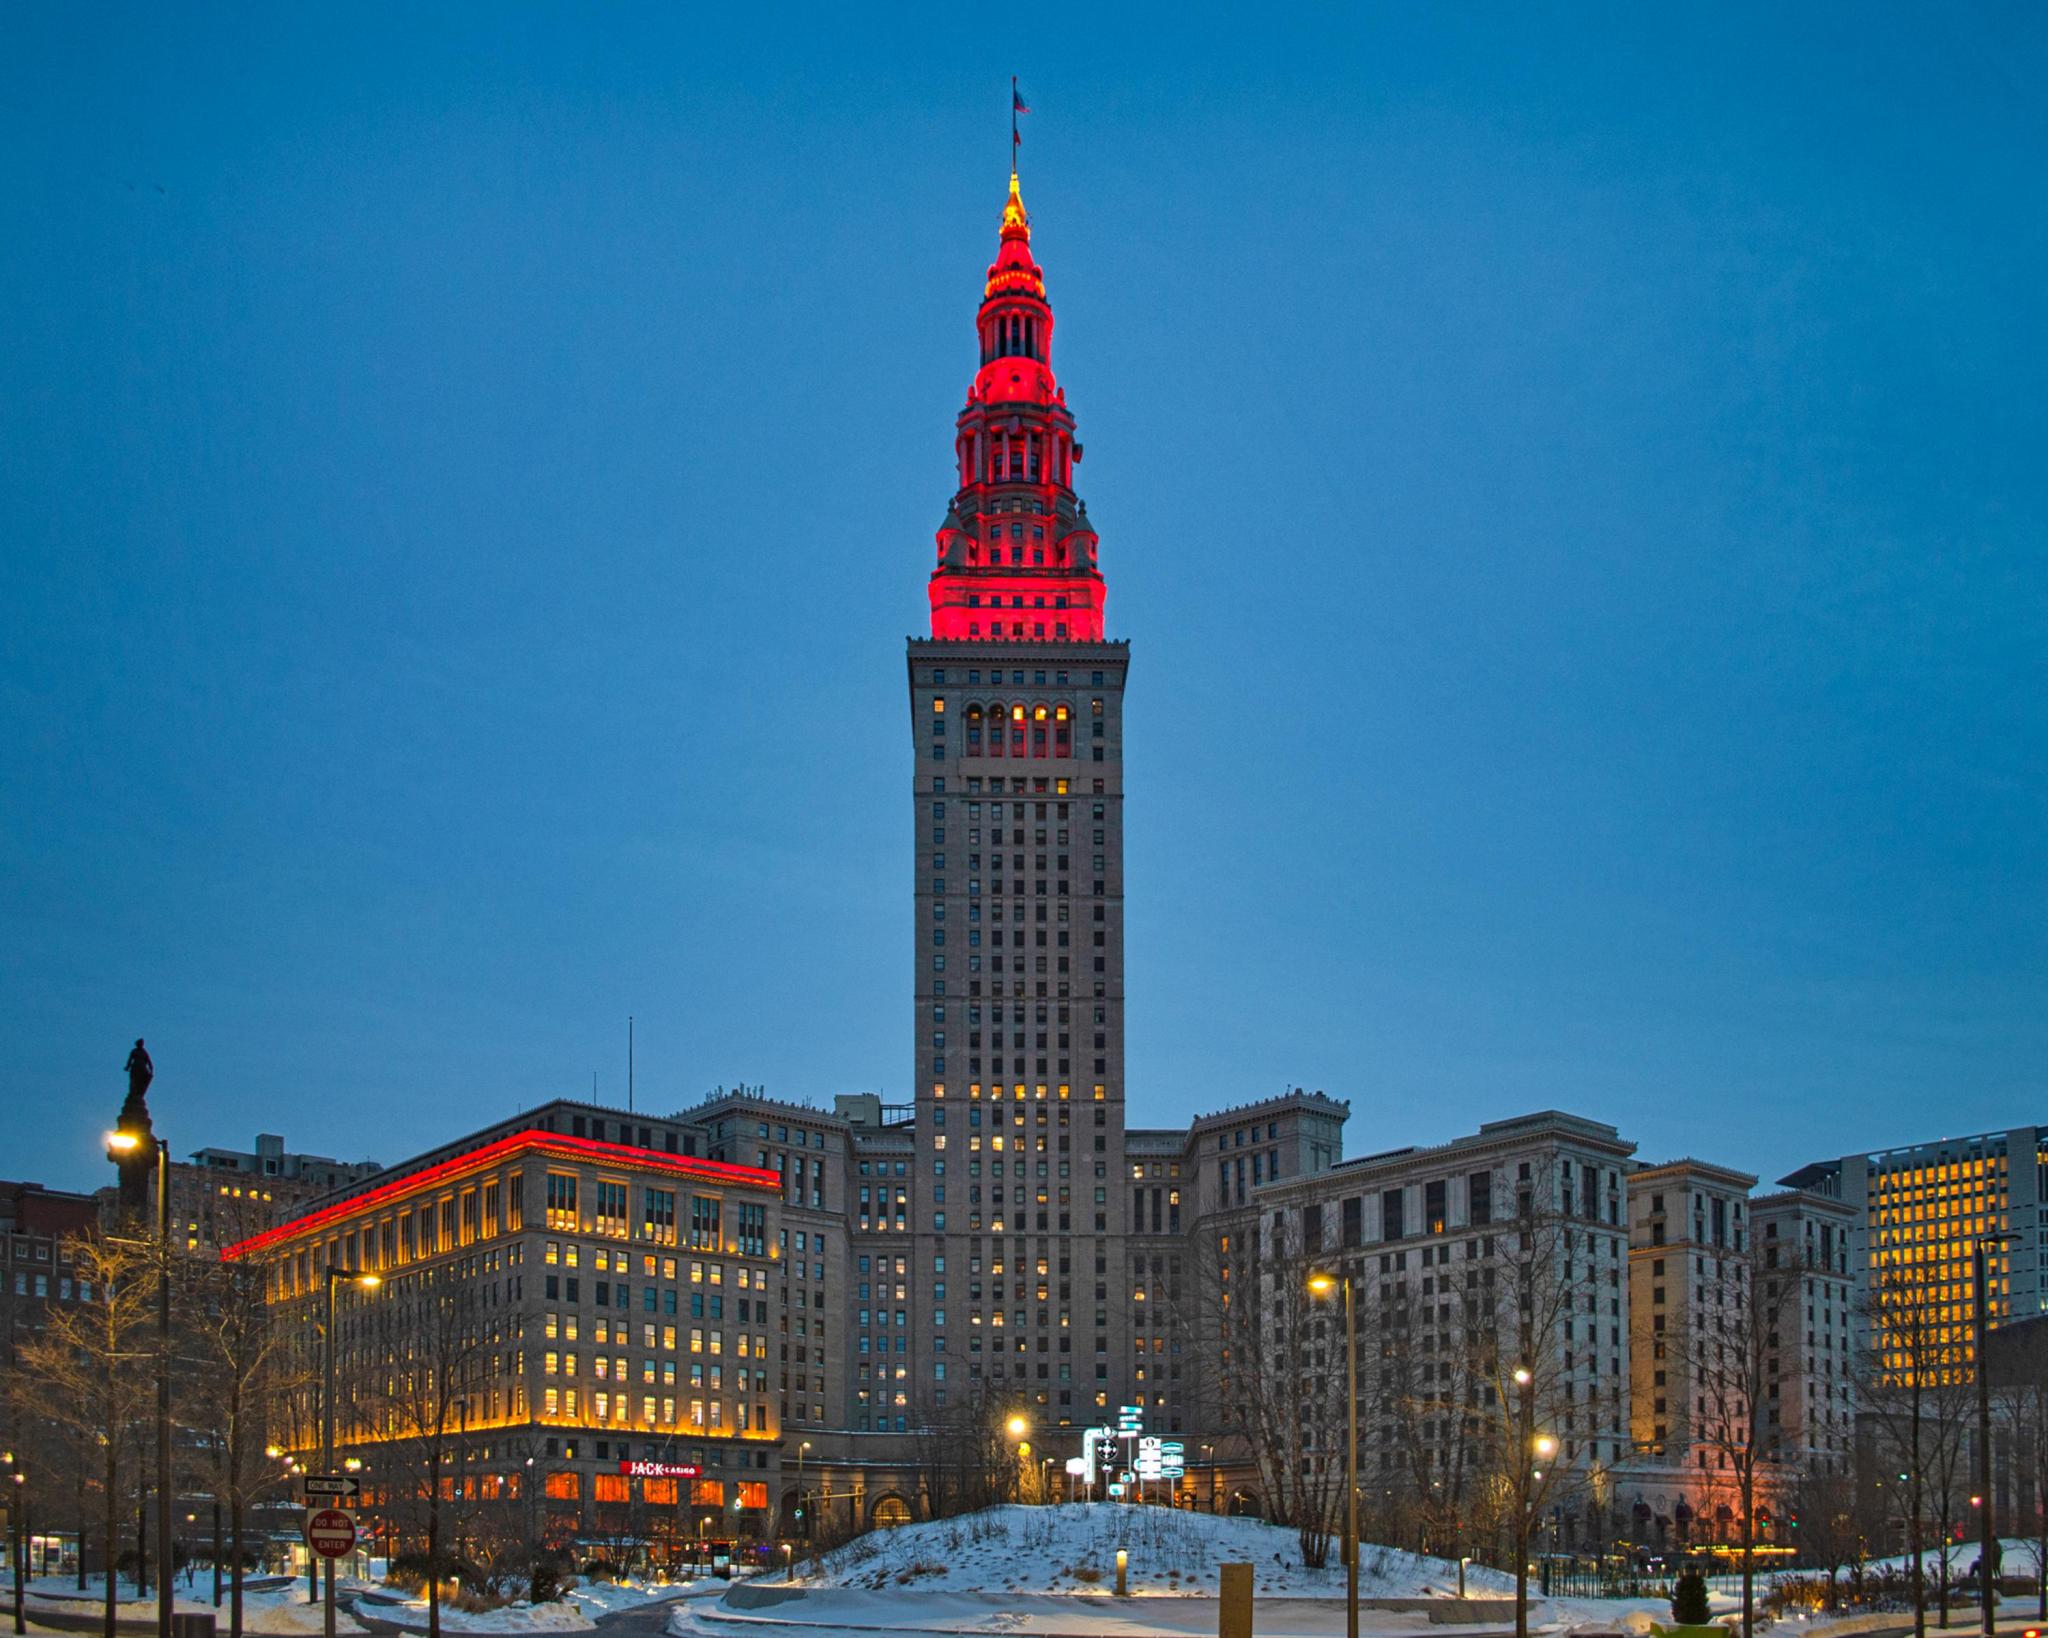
[1016,137]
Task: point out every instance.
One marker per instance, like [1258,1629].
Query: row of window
[1059,678]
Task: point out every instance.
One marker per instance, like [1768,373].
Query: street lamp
[127,1143]
[17,1533]
[1980,1268]
[1016,1427]
[1321,1285]
[1527,1444]
[801,1519]
[368,1282]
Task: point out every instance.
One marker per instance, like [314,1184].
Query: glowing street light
[1320,1284]
[1017,1427]
[364,1280]
[1528,1475]
[122,1141]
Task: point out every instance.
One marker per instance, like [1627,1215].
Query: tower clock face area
[1016,702]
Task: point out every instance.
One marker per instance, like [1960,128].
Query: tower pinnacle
[1016,554]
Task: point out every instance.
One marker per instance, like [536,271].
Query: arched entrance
[889,1511]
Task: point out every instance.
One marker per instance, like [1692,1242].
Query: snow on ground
[1073,1548]
[276,1609]
[607,1597]
[2018,1559]
[577,1612]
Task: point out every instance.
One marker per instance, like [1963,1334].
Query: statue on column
[136,1164]
[140,1073]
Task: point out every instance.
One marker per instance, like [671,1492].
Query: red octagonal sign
[330,1532]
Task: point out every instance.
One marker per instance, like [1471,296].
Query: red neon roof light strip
[711,1171]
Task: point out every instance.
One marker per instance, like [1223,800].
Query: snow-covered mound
[1073,1548]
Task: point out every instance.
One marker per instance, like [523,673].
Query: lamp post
[17,1532]
[1321,1285]
[801,1519]
[121,1143]
[1980,1268]
[335,1276]
[1525,1435]
[1016,1427]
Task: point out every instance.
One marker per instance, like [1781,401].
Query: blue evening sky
[1573,479]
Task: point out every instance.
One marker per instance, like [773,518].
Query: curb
[733,1619]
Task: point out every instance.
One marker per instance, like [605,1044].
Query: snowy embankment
[1073,1548]
[577,1611]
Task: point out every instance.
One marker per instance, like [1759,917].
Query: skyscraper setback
[1017,724]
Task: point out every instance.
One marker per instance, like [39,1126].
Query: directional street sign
[330,1532]
[1096,1446]
[333,1484]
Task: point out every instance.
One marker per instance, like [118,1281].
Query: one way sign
[333,1484]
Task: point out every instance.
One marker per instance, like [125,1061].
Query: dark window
[1390,1215]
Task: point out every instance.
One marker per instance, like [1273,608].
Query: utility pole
[1987,1577]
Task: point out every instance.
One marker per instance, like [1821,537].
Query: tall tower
[1016,706]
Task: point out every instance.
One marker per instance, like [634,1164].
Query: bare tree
[1729,1351]
[1435,1452]
[2023,1406]
[1280,1369]
[1823,1502]
[85,1373]
[235,1401]
[964,1452]
[413,1375]
[1918,1389]
[1530,1358]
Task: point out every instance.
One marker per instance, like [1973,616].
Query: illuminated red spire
[1016,553]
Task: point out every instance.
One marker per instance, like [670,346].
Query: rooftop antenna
[629,1063]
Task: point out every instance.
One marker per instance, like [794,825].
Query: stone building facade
[37,1274]
[551,1306]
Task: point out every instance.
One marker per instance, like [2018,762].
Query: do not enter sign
[330,1532]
